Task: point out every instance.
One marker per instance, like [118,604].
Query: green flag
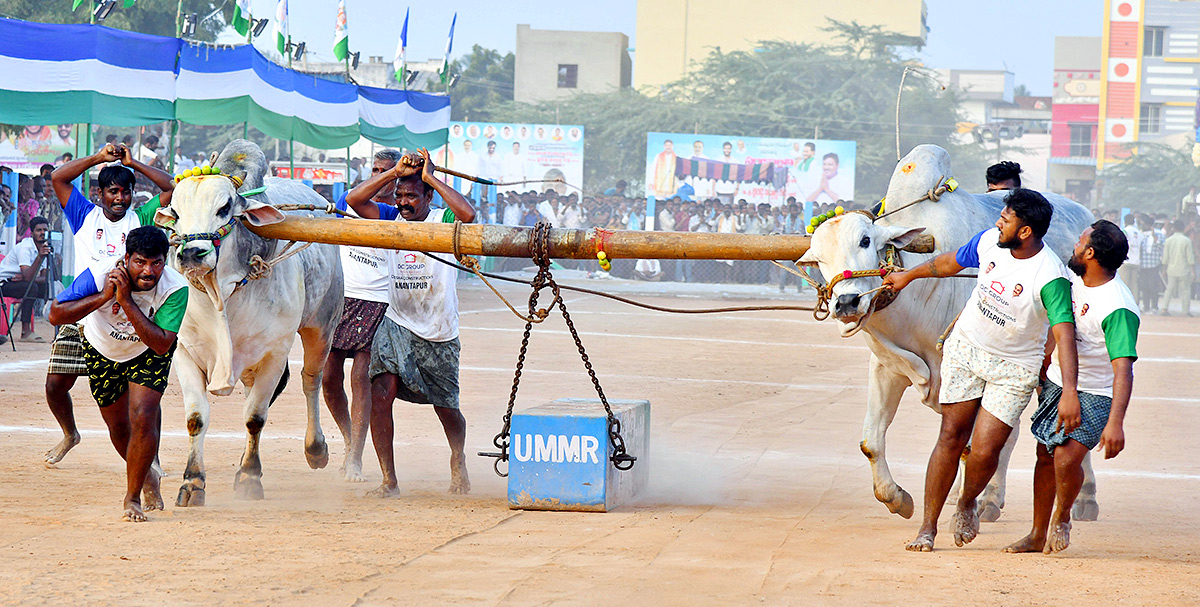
[129,3]
[77,3]
[341,38]
[241,17]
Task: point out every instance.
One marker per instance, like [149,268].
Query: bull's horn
[923,243]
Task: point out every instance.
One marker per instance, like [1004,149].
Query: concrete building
[1075,117]
[1150,57]
[981,91]
[674,34]
[552,64]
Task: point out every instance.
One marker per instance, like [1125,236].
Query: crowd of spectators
[1163,251]
[614,210]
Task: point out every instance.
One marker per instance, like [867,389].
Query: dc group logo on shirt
[997,287]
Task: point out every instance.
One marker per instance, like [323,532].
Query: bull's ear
[259,214]
[165,216]
[809,257]
[900,236]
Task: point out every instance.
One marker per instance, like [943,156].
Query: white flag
[281,27]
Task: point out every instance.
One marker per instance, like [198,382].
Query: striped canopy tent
[57,74]
[54,74]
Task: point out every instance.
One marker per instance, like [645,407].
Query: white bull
[903,336]
[241,321]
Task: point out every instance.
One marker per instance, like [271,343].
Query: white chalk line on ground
[18,366]
[165,433]
[778,455]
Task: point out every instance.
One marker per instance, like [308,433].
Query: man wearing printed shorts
[1106,327]
[100,231]
[415,352]
[991,361]
[365,272]
[131,309]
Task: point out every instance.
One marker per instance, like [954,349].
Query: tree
[485,81]
[1153,179]
[846,90]
[157,17]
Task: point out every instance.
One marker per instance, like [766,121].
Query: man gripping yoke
[131,309]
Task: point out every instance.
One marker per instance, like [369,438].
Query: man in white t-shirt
[549,208]
[131,308]
[414,355]
[23,276]
[990,362]
[365,274]
[1130,269]
[100,231]
[514,169]
[1106,329]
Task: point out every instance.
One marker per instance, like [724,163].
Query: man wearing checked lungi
[365,274]
[1106,329]
[414,354]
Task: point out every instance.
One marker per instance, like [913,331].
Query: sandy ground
[758,491]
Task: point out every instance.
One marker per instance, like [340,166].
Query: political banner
[528,156]
[757,169]
[34,146]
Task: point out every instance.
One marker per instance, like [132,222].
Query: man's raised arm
[62,177]
[461,207]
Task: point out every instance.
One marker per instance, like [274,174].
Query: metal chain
[540,252]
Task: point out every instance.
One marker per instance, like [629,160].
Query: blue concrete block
[559,455]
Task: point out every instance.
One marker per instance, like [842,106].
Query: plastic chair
[6,316]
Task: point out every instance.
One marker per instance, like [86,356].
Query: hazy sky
[966,34]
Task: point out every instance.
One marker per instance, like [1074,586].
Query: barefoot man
[1106,326]
[100,231]
[131,309]
[991,360]
[414,355]
[366,275]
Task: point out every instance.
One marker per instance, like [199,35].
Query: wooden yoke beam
[508,241]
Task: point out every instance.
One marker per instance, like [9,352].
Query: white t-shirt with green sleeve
[1015,301]
[1106,328]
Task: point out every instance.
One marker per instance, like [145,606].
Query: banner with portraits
[34,146]
[756,169]
[543,156]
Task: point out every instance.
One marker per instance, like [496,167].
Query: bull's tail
[283,380]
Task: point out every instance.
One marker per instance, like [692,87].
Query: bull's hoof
[989,512]
[1085,510]
[317,454]
[903,505]
[190,495]
[246,487]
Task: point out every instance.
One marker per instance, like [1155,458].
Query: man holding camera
[23,275]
